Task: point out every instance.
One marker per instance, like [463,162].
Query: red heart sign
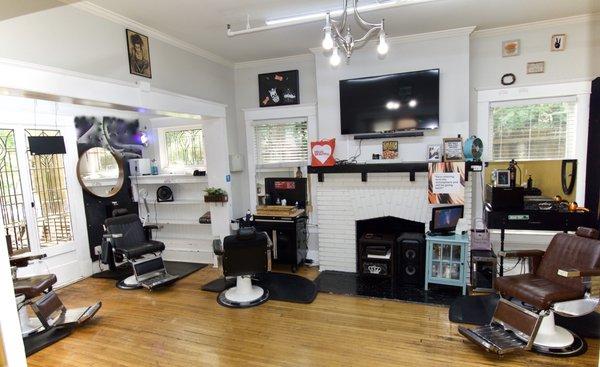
[322,152]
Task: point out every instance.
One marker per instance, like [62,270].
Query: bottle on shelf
[153,167]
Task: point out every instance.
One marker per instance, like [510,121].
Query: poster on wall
[138,51]
[447,183]
[278,89]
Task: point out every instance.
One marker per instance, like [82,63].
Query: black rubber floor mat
[182,269]
[282,287]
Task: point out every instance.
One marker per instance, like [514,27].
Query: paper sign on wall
[447,183]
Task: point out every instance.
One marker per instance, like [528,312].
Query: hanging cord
[352,159]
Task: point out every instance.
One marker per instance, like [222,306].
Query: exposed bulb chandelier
[339,36]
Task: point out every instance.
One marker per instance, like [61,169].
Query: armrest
[521,253]
[217,247]
[112,235]
[574,273]
[21,261]
[151,226]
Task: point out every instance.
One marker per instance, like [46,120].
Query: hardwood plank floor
[184,326]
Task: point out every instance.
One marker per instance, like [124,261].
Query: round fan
[163,194]
[473,149]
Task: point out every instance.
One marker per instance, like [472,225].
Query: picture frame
[389,149]
[434,153]
[511,48]
[279,88]
[453,150]
[536,67]
[501,178]
[558,42]
[138,51]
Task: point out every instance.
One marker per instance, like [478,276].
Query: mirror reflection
[100,172]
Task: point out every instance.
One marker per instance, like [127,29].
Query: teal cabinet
[446,260]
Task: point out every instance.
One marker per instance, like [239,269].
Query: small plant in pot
[215,195]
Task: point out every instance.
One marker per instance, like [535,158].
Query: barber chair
[560,283]
[50,313]
[127,241]
[243,255]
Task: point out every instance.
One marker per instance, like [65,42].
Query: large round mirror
[100,172]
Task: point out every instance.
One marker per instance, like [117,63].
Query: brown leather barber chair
[50,313]
[560,282]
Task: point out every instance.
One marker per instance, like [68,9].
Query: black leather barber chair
[50,313]
[128,241]
[243,255]
[560,282]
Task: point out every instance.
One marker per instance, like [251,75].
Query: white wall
[72,39]
[447,51]
[246,94]
[579,61]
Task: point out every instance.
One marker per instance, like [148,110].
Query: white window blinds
[533,129]
[281,144]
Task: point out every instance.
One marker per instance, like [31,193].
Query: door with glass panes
[35,201]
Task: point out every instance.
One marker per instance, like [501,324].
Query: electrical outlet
[97,250]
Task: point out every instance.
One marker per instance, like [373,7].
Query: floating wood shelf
[365,168]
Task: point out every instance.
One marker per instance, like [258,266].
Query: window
[533,129]
[48,182]
[12,203]
[183,148]
[281,144]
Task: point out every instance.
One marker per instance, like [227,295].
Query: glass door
[446,261]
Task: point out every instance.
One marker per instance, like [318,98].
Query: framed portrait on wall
[278,89]
[138,50]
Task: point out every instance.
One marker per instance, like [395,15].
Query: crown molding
[500,31]
[149,31]
[455,32]
[277,60]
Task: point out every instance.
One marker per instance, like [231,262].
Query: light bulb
[327,40]
[383,47]
[335,59]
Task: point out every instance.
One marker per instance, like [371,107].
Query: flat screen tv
[390,103]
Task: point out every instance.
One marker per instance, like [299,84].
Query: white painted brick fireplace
[343,199]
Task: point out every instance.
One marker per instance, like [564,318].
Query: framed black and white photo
[453,149]
[138,50]
[558,42]
[501,178]
[434,153]
[278,89]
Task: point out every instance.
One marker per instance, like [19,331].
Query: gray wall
[72,39]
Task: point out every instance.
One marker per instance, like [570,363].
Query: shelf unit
[185,238]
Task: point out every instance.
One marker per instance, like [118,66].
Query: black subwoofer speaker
[410,259]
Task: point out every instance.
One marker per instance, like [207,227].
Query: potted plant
[215,195]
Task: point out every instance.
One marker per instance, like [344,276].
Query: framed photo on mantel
[278,89]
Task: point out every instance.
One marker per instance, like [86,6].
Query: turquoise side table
[445,260]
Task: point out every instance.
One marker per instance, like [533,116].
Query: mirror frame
[120,180]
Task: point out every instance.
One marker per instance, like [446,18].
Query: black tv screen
[388,103]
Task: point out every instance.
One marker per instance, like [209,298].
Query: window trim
[580,90]
[162,147]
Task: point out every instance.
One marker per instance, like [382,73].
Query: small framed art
[434,153]
[511,48]
[536,67]
[453,149]
[278,89]
[558,42]
[138,50]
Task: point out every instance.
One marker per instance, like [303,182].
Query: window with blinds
[281,144]
[533,129]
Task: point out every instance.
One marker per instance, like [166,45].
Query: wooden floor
[184,326]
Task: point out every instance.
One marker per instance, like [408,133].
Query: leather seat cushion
[33,286]
[140,248]
[535,290]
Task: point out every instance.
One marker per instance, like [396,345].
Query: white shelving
[167,179]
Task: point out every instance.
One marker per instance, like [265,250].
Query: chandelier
[339,36]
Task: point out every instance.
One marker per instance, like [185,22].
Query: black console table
[289,236]
[533,220]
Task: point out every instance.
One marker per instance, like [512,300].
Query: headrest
[587,232]
[246,233]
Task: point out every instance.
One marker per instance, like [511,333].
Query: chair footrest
[494,338]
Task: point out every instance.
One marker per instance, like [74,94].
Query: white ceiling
[202,23]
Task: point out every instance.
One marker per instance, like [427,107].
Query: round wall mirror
[100,172]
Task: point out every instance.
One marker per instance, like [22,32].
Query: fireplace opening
[391,249]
